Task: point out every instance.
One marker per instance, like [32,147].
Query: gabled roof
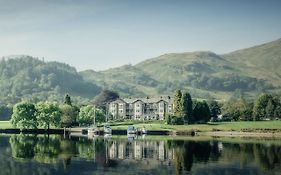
[119,100]
[149,99]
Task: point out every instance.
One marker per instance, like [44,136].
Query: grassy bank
[219,126]
[5,124]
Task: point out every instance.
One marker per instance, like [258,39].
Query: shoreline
[239,134]
[268,133]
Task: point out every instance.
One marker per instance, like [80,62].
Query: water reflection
[30,154]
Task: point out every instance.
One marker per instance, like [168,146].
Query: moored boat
[131,130]
[107,129]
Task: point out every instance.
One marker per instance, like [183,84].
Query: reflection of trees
[85,148]
[23,146]
[188,152]
[268,157]
[47,149]
[242,152]
[67,150]
[101,149]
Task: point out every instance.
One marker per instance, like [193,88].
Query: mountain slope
[261,61]
[266,56]
[28,77]
[204,74]
[126,80]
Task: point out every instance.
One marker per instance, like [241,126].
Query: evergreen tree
[260,106]
[201,112]
[178,104]
[67,100]
[277,112]
[214,109]
[269,110]
[187,107]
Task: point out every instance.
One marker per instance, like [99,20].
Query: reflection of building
[140,150]
[141,108]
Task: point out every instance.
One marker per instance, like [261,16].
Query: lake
[54,154]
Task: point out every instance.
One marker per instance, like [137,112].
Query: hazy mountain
[204,74]
[31,78]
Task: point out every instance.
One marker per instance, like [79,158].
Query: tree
[187,108]
[24,115]
[106,96]
[269,110]
[178,104]
[69,115]
[86,115]
[261,102]
[214,109]
[277,112]
[67,100]
[238,110]
[201,112]
[48,114]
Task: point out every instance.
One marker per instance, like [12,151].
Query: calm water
[43,155]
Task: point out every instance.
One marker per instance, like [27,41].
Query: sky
[102,34]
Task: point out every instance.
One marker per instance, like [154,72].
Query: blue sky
[102,34]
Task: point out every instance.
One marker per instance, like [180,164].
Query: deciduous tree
[47,114]
[24,115]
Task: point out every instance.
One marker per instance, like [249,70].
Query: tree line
[51,114]
[266,106]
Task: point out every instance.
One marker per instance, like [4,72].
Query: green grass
[220,126]
[5,124]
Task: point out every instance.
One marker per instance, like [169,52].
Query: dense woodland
[29,78]
[265,107]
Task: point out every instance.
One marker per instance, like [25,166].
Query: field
[219,126]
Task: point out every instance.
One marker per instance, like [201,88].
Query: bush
[174,120]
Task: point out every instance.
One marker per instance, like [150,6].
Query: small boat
[107,136]
[93,131]
[143,131]
[107,129]
[131,130]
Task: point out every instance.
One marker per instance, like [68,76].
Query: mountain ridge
[176,69]
[205,74]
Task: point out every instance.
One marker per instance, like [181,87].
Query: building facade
[141,108]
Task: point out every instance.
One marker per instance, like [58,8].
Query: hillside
[261,61]
[25,77]
[126,80]
[204,74]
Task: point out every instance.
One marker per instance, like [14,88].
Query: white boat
[107,136]
[131,130]
[143,131]
[107,129]
[93,131]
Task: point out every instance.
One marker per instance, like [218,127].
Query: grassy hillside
[125,80]
[261,61]
[205,74]
[25,77]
